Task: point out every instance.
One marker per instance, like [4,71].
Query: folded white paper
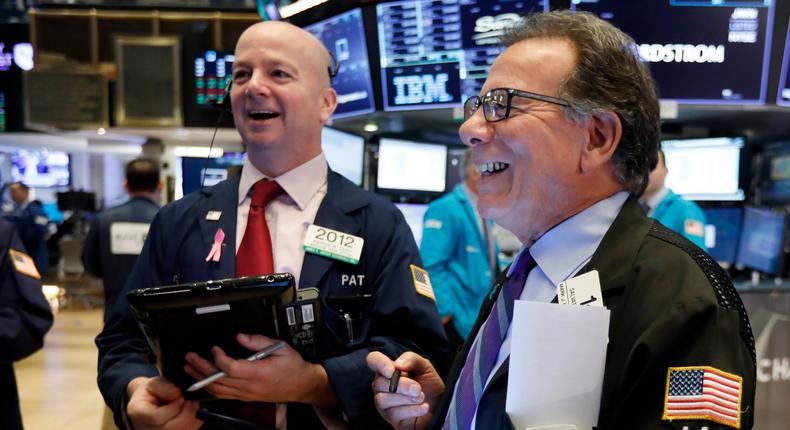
[557,355]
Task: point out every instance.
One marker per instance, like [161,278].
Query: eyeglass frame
[511,92]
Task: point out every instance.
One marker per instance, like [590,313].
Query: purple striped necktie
[485,349]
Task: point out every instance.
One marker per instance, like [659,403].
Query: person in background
[281,97]
[25,317]
[668,208]
[460,254]
[116,235]
[31,223]
[566,132]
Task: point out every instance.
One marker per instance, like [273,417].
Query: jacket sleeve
[91,257]
[437,250]
[25,315]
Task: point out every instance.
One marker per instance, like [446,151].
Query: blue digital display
[761,246]
[435,54]
[723,240]
[775,175]
[207,171]
[783,98]
[213,71]
[699,51]
[344,35]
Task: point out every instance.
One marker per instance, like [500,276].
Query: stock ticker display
[714,51]
[344,35]
[212,73]
[436,53]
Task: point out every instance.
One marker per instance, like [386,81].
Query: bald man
[281,97]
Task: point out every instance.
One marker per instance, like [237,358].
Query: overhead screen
[40,167]
[411,166]
[344,35]
[212,71]
[344,153]
[783,98]
[436,53]
[714,51]
[704,169]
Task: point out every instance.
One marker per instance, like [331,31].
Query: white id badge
[583,290]
[127,238]
[333,244]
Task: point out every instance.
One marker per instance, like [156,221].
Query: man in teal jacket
[459,252]
[672,210]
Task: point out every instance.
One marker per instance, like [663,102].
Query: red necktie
[255,257]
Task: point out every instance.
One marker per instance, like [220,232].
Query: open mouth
[260,115]
[490,168]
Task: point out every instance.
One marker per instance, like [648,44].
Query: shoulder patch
[693,227]
[422,282]
[703,393]
[433,223]
[23,263]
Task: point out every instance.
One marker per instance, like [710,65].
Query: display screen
[209,171]
[704,169]
[344,35]
[714,51]
[40,168]
[761,245]
[722,233]
[411,166]
[775,177]
[344,153]
[414,213]
[437,53]
[212,72]
[783,98]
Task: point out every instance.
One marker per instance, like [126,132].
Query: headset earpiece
[334,65]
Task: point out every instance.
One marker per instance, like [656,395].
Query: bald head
[306,48]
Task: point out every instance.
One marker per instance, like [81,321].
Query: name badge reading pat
[333,244]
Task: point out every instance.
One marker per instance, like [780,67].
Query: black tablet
[177,319]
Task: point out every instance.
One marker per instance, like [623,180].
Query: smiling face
[530,162]
[281,95]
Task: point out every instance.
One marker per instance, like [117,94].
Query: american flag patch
[703,393]
[24,264]
[422,282]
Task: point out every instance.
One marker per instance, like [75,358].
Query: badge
[693,227]
[24,264]
[584,290]
[433,223]
[213,215]
[422,282]
[703,393]
[333,244]
[127,238]
[216,248]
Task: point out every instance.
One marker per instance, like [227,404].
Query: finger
[186,418]
[406,386]
[200,364]
[163,389]
[254,342]
[413,363]
[153,414]
[380,363]
[223,390]
[386,401]
[401,413]
[191,371]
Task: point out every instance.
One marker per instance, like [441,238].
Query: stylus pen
[257,356]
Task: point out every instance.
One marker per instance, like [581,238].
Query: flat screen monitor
[414,213]
[434,54]
[411,166]
[344,36]
[761,246]
[699,51]
[704,169]
[775,175]
[344,153]
[39,168]
[209,171]
[723,232]
[783,98]
[212,71]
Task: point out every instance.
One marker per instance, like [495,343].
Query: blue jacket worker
[31,223]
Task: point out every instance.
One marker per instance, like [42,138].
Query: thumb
[413,363]
[163,389]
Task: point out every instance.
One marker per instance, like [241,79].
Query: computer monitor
[775,174]
[411,166]
[212,72]
[344,153]
[76,201]
[705,169]
[783,97]
[722,232]
[40,168]
[762,243]
[435,54]
[344,36]
[414,213]
[207,171]
[698,51]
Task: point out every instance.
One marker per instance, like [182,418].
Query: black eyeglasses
[497,102]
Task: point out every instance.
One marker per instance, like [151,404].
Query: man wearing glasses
[565,134]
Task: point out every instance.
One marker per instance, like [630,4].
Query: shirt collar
[564,249]
[656,198]
[300,183]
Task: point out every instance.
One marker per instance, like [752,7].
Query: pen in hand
[257,356]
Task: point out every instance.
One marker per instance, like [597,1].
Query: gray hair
[608,77]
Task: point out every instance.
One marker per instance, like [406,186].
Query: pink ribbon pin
[213,255]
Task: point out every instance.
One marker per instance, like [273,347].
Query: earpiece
[334,65]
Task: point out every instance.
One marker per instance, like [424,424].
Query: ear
[126,186]
[328,104]
[604,133]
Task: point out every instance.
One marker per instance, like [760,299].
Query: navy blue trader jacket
[97,255]
[31,224]
[395,318]
[24,319]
